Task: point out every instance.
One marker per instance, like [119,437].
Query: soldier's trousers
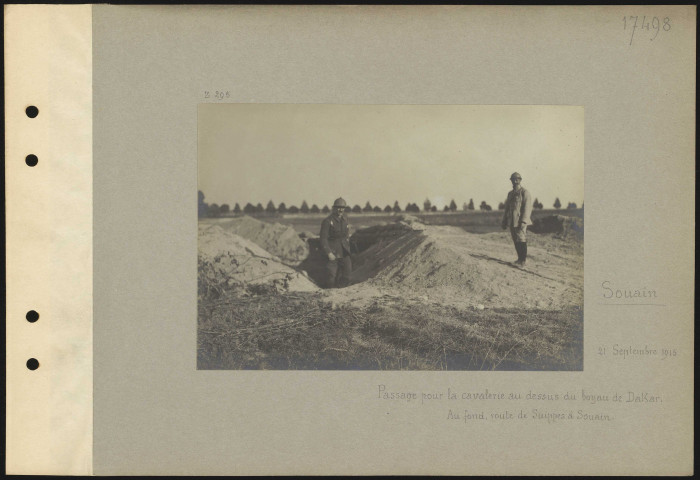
[339,272]
[519,234]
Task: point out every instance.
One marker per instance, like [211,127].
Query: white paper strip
[48,64]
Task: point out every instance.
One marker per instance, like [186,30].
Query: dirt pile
[563,227]
[282,241]
[228,261]
[410,220]
[447,265]
[391,243]
[370,236]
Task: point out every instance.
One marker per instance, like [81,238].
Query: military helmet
[516,175]
[339,202]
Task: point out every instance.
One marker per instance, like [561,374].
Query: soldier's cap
[339,202]
[516,175]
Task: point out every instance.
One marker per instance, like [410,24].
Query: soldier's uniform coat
[335,238]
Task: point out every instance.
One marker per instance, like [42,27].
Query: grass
[301,331]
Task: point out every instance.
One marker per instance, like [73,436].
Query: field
[475,221]
[430,292]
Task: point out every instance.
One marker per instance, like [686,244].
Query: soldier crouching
[335,242]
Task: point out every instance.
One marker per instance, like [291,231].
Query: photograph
[390,237]
[384,272]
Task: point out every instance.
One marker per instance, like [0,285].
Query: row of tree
[208,210]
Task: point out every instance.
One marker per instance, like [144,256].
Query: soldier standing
[517,217]
[335,235]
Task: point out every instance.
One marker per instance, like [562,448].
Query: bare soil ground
[424,297]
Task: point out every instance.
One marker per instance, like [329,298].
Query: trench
[372,250]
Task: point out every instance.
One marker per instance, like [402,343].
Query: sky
[386,153]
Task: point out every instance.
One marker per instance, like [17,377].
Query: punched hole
[32,364]
[32,316]
[31,160]
[32,111]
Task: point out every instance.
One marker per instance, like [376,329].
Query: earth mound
[370,236]
[449,266]
[229,261]
[410,220]
[388,245]
[280,240]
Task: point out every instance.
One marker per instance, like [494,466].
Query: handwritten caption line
[540,406]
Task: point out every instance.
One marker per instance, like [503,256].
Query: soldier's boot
[523,247]
[519,249]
